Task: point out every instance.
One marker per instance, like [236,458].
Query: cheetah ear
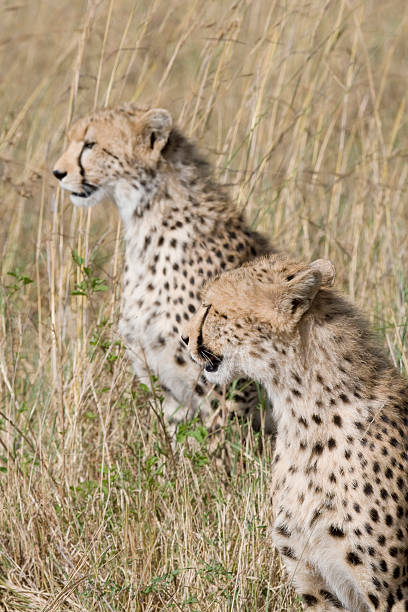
[304,286]
[326,269]
[156,126]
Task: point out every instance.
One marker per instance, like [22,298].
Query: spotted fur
[340,485]
[180,228]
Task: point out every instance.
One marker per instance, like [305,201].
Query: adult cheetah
[340,486]
[180,228]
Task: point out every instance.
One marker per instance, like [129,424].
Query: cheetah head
[247,309]
[108,146]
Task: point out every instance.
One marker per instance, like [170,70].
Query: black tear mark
[200,333]
[81,168]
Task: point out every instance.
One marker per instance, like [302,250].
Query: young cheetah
[180,228]
[340,486]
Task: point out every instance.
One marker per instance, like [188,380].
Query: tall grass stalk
[301,108]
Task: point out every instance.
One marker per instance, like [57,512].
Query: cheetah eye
[89,145]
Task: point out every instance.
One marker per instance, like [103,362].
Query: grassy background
[301,107]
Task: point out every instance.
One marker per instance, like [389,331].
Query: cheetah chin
[220,373]
[89,197]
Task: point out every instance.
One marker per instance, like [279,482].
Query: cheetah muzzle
[212,361]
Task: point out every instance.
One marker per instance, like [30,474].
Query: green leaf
[77,258]
[21,281]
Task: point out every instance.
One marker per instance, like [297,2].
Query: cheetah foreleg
[342,581]
[314,590]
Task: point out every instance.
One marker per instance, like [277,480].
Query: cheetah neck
[134,201]
[166,205]
[322,385]
[153,197]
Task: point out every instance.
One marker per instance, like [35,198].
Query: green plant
[90,283]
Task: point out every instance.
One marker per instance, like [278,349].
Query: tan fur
[340,486]
[180,229]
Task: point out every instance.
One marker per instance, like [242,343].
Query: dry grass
[301,106]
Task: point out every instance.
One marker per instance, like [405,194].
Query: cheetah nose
[185,339]
[59,175]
